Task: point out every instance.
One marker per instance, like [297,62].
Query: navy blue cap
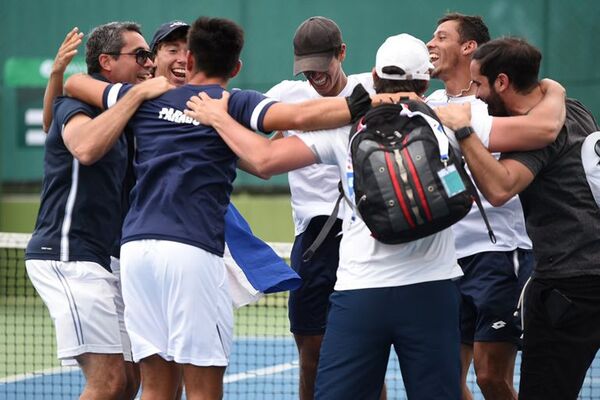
[165,30]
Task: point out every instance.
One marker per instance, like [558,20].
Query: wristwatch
[463,132]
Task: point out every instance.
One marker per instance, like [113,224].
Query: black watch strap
[463,132]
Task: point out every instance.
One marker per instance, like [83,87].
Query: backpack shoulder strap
[477,199]
[326,228]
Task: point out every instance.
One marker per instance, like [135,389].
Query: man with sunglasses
[69,256]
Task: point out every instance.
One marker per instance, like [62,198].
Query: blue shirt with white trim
[184,170]
[80,212]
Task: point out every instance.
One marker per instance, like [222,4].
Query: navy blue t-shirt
[184,170]
[80,212]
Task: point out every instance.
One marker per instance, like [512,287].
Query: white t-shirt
[507,221]
[314,189]
[367,263]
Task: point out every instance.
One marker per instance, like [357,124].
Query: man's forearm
[54,88]
[491,177]
[324,113]
[308,115]
[87,89]
[247,145]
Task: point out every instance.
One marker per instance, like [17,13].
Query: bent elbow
[498,199]
[86,160]
[552,131]
[264,175]
[84,157]
[264,170]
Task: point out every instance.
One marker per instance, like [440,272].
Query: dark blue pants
[421,321]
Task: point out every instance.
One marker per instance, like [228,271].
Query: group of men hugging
[139,165]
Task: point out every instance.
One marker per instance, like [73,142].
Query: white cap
[405,52]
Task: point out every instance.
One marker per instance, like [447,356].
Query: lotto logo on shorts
[498,324]
[177,116]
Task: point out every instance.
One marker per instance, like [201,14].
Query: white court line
[255,373]
[274,369]
[37,374]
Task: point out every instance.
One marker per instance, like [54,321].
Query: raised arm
[87,89]
[324,113]
[264,157]
[54,87]
[537,129]
[90,139]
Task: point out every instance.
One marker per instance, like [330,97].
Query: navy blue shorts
[421,321]
[308,305]
[490,290]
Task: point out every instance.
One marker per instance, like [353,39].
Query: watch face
[463,132]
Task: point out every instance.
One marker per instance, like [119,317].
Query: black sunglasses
[141,56]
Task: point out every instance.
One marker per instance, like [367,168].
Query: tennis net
[263,365]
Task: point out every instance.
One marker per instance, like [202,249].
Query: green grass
[18,213]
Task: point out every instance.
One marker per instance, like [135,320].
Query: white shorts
[80,296]
[177,303]
[115,266]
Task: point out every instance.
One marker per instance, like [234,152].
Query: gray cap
[315,42]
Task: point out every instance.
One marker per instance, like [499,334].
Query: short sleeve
[66,108]
[481,123]
[536,160]
[113,93]
[249,108]
[324,144]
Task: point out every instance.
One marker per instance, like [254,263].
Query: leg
[192,320]
[562,335]
[383,395]
[132,371]
[308,305]
[104,374]
[308,349]
[203,383]
[426,339]
[81,299]
[494,366]
[493,282]
[466,357]
[160,378]
[467,326]
[356,346]
[179,390]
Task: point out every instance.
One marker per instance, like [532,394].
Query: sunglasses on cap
[141,56]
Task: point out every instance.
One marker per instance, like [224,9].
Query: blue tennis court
[261,368]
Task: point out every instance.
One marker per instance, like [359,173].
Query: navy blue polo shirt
[80,212]
[184,170]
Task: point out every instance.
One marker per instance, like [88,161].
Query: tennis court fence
[264,361]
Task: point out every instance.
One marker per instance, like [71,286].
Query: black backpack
[408,182]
